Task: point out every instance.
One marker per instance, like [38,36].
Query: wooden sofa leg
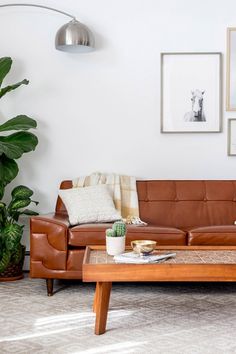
[49,286]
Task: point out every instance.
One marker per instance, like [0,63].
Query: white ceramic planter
[115,245]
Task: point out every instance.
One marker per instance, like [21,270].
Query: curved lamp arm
[71,37]
[41,6]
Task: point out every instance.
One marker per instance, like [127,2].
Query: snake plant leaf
[9,88]
[8,171]
[21,122]
[21,192]
[5,66]
[14,145]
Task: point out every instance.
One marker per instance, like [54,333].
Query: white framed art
[191,92]
[231,136]
[231,70]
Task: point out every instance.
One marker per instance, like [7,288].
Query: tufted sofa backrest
[182,203]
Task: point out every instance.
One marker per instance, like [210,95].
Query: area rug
[143,318]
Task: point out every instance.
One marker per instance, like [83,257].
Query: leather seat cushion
[222,235]
[94,234]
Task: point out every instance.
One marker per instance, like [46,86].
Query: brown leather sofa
[178,212]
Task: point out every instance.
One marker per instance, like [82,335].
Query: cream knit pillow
[89,204]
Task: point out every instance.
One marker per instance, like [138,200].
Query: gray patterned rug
[143,318]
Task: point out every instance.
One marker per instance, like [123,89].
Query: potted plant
[115,238]
[12,147]
[11,251]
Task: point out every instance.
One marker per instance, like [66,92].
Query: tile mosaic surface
[182,257]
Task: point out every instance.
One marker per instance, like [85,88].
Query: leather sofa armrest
[48,241]
[57,218]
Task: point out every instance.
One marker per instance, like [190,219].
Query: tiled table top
[182,257]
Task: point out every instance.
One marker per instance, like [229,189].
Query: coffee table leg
[102,297]
[95,298]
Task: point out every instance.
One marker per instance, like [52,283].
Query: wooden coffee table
[192,263]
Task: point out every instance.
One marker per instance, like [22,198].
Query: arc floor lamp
[72,37]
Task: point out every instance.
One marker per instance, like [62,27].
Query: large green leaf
[25,140]
[5,260]
[5,66]
[16,213]
[17,255]
[20,122]
[29,212]
[10,150]
[9,88]
[8,171]
[18,204]
[21,192]
[14,145]
[12,234]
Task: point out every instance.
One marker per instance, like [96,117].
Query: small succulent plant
[118,229]
[110,233]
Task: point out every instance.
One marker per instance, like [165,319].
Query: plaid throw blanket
[122,188]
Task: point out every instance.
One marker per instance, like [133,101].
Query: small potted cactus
[115,238]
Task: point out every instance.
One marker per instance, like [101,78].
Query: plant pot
[14,271]
[115,245]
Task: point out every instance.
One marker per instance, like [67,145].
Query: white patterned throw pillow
[89,204]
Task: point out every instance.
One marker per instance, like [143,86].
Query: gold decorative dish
[143,247]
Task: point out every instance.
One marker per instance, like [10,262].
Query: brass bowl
[143,247]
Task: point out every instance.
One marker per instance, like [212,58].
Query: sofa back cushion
[183,204]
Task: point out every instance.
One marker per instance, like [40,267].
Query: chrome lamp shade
[74,37]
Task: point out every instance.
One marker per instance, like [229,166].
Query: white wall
[101,111]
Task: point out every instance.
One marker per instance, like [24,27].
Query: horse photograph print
[190,99]
[197,113]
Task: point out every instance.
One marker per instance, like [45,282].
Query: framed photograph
[191,92]
[231,70]
[232,137]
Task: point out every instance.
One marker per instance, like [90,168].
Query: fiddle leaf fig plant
[12,146]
